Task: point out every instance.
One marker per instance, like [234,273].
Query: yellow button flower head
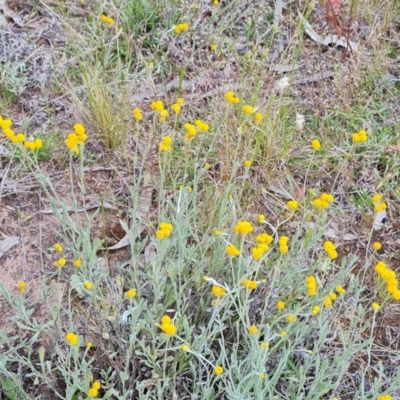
[22,286]
[377,198]
[167,326]
[72,142]
[293,204]
[231,98]
[89,345]
[283,244]
[181,27]
[232,250]
[166,319]
[176,108]
[202,126]
[243,227]
[93,392]
[207,165]
[316,310]
[80,132]
[191,131]
[253,330]
[218,370]
[376,245]
[261,218]
[247,163]
[264,345]
[248,109]
[316,144]
[157,105]
[88,285]
[264,238]
[340,289]
[107,20]
[96,385]
[217,232]
[385,397]
[258,251]
[165,230]
[249,284]
[283,333]
[165,144]
[185,347]
[376,306]
[179,101]
[280,305]
[131,293]
[57,247]
[330,248]
[380,207]
[137,113]
[360,136]
[213,47]
[311,285]
[60,262]
[258,118]
[218,291]
[78,263]
[291,318]
[72,338]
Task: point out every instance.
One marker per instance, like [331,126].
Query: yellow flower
[163,115]
[377,198]
[264,345]
[385,397]
[232,250]
[253,330]
[93,392]
[190,131]
[316,144]
[78,263]
[72,142]
[181,27]
[213,47]
[179,100]
[291,318]
[243,227]
[327,301]
[185,347]
[218,370]
[34,145]
[264,238]
[89,345]
[330,248]
[168,327]
[166,319]
[380,207]
[332,296]
[157,105]
[218,291]
[60,262]
[376,306]
[217,232]
[283,333]
[293,204]
[248,109]
[360,136]
[96,385]
[72,338]
[88,285]
[316,310]
[22,286]
[131,293]
[216,3]
[231,98]
[165,230]
[249,284]
[176,108]
[58,248]
[137,113]
[376,245]
[257,252]
[258,118]
[280,305]
[262,375]
[283,244]
[340,289]
[19,138]
[207,165]
[107,20]
[311,285]
[165,144]
[202,125]
[247,163]
[261,218]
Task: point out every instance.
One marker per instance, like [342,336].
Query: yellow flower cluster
[264,238]
[231,97]
[340,289]
[167,326]
[243,227]
[94,390]
[249,284]
[107,20]
[389,276]
[158,106]
[57,247]
[165,144]
[379,206]
[191,131]
[258,251]
[258,118]
[385,397]
[137,113]
[253,330]
[283,244]
[360,136]
[330,248]
[316,310]
[261,218]
[165,230]
[76,138]
[6,124]
[232,250]
[328,299]
[131,293]
[248,109]
[60,262]
[22,286]
[218,291]
[72,338]
[280,305]
[218,370]
[316,144]
[311,285]
[293,204]
[176,107]
[324,200]
[202,126]
[181,27]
